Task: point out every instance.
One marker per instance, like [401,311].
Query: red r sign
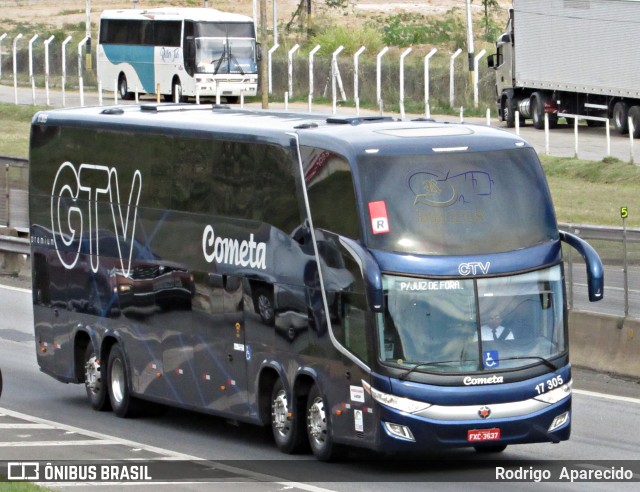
[379,218]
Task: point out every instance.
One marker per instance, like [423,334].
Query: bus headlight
[556,395]
[398,402]
[559,421]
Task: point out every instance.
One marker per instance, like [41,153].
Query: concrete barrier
[11,262]
[605,343]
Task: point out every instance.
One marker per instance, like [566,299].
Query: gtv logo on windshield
[473,268]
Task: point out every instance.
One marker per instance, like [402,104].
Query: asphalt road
[42,419]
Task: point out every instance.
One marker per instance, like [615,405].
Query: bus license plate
[482,435]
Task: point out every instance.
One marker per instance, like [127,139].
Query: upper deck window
[457,203]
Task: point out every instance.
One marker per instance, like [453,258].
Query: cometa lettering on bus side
[228,251]
[469,381]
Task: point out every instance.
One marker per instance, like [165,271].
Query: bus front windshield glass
[470,325]
[223,47]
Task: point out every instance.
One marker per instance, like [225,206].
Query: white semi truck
[576,57]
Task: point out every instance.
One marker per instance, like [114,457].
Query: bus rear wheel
[123,404]
[286,421]
[319,427]
[123,88]
[95,380]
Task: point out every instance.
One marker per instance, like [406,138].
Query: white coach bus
[178,52]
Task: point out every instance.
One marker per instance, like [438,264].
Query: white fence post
[64,68]
[290,68]
[269,67]
[631,130]
[379,77]
[452,90]
[46,66]
[15,67]
[402,57]
[475,76]
[334,75]
[80,80]
[1,38]
[427,107]
[311,55]
[356,81]
[575,131]
[31,77]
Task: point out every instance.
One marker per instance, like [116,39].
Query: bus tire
[123,88]
[95,377]
[319,429]
[123,404]
[286,421]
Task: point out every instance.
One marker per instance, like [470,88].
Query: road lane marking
[25,426]
[35,444]
[607,397]
[166,454]
[16,289]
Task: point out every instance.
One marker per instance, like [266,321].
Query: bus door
[219,345]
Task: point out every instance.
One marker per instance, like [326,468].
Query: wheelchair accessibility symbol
[491,359]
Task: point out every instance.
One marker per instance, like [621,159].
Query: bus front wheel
[95,380]
[319,427]
[123,88]
[286,421]
[123,404]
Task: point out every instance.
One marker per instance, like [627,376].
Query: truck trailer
[571,57]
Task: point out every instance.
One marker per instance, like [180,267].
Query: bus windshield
[225,47]
[469,325]
[456,203]
[220,55]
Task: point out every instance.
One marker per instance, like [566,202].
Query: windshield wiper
[405,374]
[546,362]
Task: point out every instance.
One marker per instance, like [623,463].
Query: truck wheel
[620,115]
[319,427]
[537,111]
[286,421]
[95,377]
[508,110]
[634,113]
[123,404]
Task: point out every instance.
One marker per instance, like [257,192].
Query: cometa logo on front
[469,381]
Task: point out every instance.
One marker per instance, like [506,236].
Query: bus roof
[176,13]
[348,135]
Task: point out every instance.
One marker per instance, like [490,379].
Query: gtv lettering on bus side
[71,225]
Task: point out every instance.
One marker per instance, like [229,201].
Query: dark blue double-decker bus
[392,285]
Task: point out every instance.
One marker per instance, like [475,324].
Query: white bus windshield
[470,325]
[225,47]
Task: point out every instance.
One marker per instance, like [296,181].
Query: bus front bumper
[401,432]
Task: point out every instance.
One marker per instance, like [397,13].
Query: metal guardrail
[11,244]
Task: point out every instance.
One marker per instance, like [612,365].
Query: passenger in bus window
[493,329]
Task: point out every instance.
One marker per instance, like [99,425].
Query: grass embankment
[584,192]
